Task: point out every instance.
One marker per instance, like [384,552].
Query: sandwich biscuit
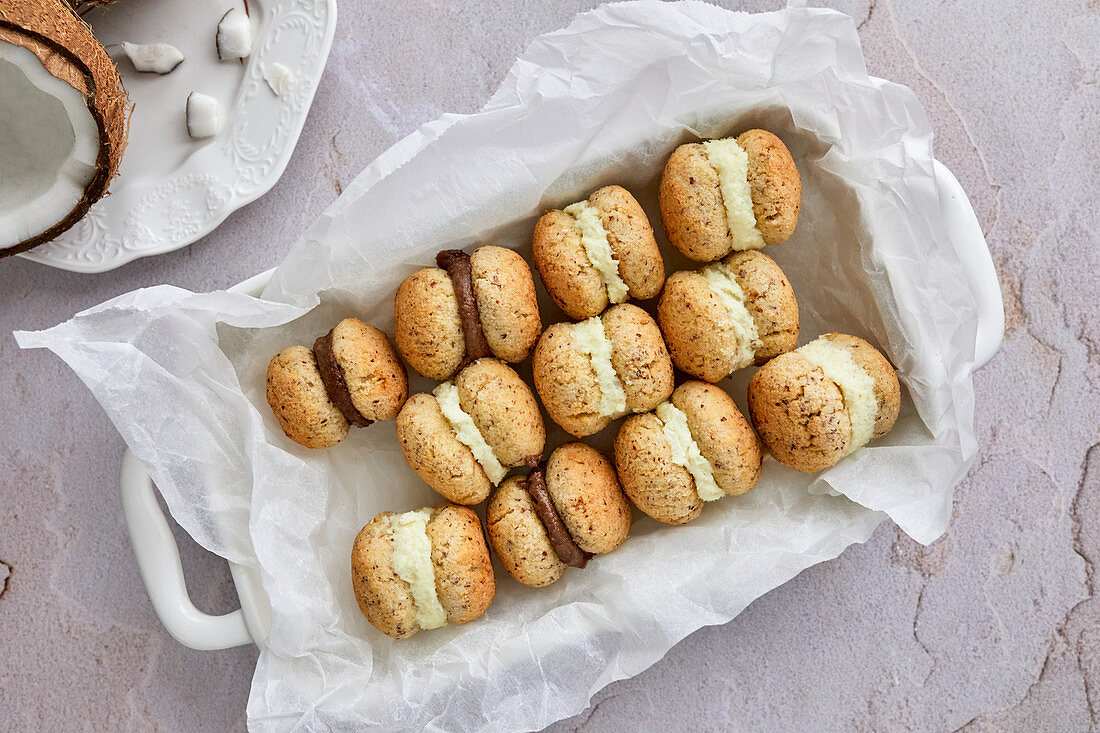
[695,448]
[598,252]
[561,514]
[469,307]
[422,570]
[462,439]
[728,315]
[730,195]
[592,372]
[823,401]
[352,376]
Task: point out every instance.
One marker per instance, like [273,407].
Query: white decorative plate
[171,190]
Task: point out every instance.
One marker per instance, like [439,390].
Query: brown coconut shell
[64,43]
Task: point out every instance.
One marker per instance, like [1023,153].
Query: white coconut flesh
[234,37]
[203,119]
[49,144]
[153,58]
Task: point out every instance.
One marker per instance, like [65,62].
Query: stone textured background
[994,627]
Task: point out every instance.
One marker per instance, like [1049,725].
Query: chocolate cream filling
[458,267]
[563,544]
[332,375]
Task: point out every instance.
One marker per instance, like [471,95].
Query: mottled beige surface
[994,627]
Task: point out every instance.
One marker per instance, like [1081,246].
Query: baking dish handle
[158,559]
[969,242]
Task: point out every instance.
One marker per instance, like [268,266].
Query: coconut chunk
[279,78]
[153,58]
[203,119]
[234,38]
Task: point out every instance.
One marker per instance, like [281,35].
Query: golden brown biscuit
[658,486]
[803,414]
[427,325]
[587,496]
[352,376]
[693,209]
[506,302]
[438,457]
[639,355]
[463,569]
[381,594]
[723,435]
[454,549]
[775,182]
[570,279]
[519,537]
[559,515]
[375,377]
[573,279]
[504,410]
[770,299]
[709,340]
[564,377]
[669,471]
[298,398]
[631,238]
[500,427]
[635,370]
[428,313]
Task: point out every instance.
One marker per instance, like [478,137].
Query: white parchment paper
[602,101]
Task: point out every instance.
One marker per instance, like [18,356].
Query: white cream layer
[598,249]
[685,451]
[590,339]
[412,559]
[857,386]
[467,433]
[732,165]
[724,284]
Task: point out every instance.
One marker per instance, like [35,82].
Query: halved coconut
[61,145]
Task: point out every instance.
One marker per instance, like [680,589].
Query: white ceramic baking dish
[158,556]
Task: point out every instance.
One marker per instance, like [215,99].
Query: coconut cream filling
[747,340]
[591,340]
[49,148]
[685,451]
[731,163]
[856,386]
[467,433]
[412,560]
[594,240]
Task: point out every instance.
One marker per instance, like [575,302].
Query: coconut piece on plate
[63,141]
[203,119]
[153,58]
[234,38]
[279,78]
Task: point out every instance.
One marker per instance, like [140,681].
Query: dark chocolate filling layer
[332,375]
[458,267]
[563,544]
